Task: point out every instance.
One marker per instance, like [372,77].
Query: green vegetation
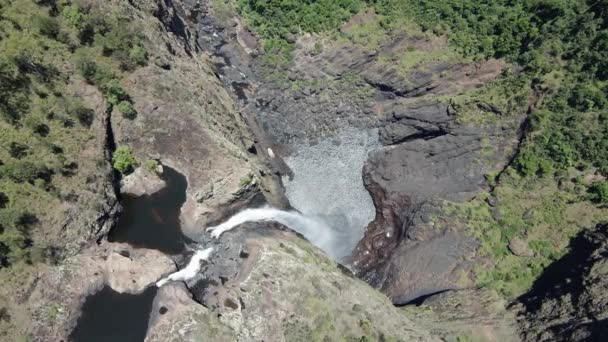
[599,192]
[123,160]
[47,48]
[246,180]
[278,22]
[151,165]
[543,212]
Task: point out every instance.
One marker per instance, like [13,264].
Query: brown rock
[141,182]
[520,247]
[131,270]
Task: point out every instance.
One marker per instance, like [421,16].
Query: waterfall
[189,271]
[314,229]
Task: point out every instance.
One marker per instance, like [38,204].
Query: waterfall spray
[314,229]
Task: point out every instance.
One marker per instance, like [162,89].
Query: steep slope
[568,302]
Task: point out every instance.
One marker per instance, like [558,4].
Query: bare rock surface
[131,270]
[176,317]
[141,182]
[436,264]
[520,247]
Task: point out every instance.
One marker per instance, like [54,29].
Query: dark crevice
[522,132]
[420,300]
[110,147]
[421,135]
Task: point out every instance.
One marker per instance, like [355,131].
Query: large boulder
[142,182]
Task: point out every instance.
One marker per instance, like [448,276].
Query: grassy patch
[535,210]
[45,54]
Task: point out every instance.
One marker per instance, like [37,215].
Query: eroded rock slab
[267,283]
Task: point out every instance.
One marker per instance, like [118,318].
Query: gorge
[349,170]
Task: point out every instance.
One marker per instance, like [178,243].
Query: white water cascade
[189,271]
[314,229]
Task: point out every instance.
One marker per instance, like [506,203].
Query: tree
[123,160]
[599,192]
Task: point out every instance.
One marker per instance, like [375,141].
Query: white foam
[314,229]
[328,183]
[190,270]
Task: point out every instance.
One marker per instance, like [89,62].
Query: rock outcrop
[266,283]
[142,182]
[472,314]
[188,121]
[568,301]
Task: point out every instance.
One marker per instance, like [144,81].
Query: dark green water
[146,222]
[109,316]
[153,221]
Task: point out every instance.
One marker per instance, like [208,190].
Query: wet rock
[141,182]
[520,247]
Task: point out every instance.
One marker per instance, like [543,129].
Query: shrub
[123,160]
[84,115]
[86,67]
[599,192]
[245,181]
[138,55]
[114,92]
[528,164]
[151,165]
[127,110]
[74,16]
[3,201]
[25,171]
[47,26]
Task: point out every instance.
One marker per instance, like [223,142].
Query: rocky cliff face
[265,283]
[425,150]
[568,302]
[188,121]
